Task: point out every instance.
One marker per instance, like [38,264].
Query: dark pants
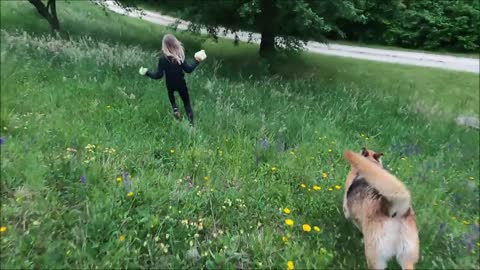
[186,102]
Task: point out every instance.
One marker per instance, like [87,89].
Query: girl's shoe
[177,115]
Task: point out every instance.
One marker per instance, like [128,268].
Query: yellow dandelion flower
[289,222]
[306,227]
[317,188]
[274,169]
[466,222]
[130,194]
[324,175]
[121,238]
[290,265]
[205,178]
[3,229]
[119,179]
[286,210]
[316,228]
[303,185]
[172,151]
[330,189]
[284,239]
[337,187]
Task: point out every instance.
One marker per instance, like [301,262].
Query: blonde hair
[173,48]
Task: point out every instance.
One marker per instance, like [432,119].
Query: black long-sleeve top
[174,73]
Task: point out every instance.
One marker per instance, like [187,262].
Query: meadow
[96,173]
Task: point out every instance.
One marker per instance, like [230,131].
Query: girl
[173,64]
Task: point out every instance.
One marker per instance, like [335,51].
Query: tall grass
[96,173]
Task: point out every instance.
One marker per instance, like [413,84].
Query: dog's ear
[377,156]
[364,152]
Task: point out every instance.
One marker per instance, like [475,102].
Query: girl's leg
[171,97]
[186,102]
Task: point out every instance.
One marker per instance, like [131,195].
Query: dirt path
[380,55]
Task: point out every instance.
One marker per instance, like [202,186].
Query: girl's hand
[200,56]
[143,71]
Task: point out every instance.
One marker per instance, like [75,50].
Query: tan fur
[384,236]
[387,184]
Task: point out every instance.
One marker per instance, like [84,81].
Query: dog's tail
[384,182]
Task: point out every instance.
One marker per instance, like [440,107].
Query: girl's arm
[189,68]
[159,73]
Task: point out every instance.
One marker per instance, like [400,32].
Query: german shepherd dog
[380,206]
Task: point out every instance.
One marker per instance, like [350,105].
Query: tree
[48,11]
[281,23]
[377,16]
[426,24]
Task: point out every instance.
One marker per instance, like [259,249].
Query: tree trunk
[267,45]
[48,12]
[55,24]
[267,18]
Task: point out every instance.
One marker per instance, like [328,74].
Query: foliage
[428,24]
[451,25]
[282,24]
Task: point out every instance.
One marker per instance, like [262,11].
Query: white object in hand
[143,71]
[200,55]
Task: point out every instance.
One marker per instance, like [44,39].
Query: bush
[428,24]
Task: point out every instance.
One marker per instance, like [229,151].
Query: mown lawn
[95,173]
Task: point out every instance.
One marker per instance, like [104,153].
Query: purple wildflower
[443,228]
[83,179]
[469,241]
[2,140]
[265,143]
[126,182]
[456,198]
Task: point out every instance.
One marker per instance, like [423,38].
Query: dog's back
[389,230]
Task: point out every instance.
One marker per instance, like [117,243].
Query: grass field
[96,173]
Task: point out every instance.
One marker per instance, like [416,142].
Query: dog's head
[372,156]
